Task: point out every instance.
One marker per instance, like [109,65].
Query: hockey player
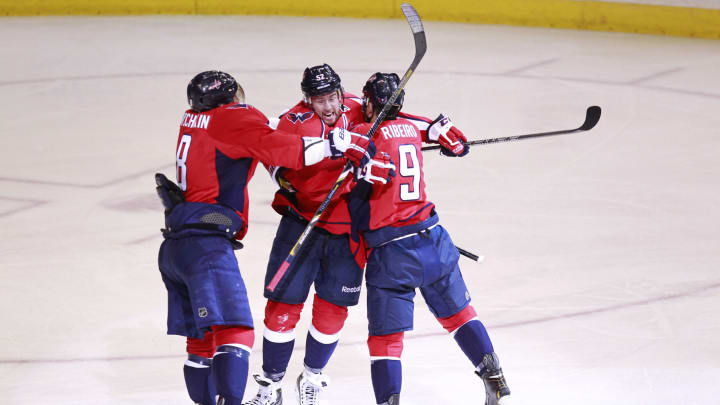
[409,250]
[328,260]
[220,142]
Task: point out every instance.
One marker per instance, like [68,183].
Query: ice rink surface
[601,280]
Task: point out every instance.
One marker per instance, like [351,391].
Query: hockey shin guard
[279,337]
[199,380]
[474,341]
[276,356]
[230,370]
[318,349]
[386,378]
[322,338]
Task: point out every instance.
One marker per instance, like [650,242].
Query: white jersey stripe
[322,337]
[195,365]
[239,346]
[374,358]
[279,337]
[420,124]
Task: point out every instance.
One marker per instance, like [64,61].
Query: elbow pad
[313,149]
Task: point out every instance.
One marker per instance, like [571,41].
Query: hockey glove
[170,193]
[357,148]
[452,140]
[277,175]
[378,170]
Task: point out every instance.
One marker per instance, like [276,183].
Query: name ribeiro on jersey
[398,131]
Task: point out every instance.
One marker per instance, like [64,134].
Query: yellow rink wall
[575,14]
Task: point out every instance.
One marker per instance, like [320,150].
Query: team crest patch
[202,312]
[299,117]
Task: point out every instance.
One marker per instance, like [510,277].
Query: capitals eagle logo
[302,117]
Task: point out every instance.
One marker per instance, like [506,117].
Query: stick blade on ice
[591,117]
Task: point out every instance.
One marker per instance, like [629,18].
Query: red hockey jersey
[312,183]
[402,201]
[218,150]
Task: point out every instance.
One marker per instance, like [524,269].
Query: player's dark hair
[211,89]
[378,89]
[318,80]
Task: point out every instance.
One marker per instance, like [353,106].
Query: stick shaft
[467,254]
[592,116]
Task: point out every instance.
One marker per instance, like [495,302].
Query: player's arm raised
[440,130]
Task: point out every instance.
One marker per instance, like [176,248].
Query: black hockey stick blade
[418,31]
[592,116]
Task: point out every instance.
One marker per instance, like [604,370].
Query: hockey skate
[309,386]
[496,389]
[393,400]
[270,392]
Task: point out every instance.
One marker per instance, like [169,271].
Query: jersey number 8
[182,155]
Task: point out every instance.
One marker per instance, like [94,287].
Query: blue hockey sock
[199,380]
[386,378]
[474,341]
[317,353]
[230,370]
[276,357]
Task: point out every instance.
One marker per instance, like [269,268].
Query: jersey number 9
[409,167]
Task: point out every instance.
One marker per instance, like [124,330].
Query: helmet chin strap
[341,96]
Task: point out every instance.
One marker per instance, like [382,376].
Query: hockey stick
[592,116]
[418,31]
[467,254]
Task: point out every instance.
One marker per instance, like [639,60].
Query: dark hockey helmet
[211,89]
[318,80]
[378,90]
